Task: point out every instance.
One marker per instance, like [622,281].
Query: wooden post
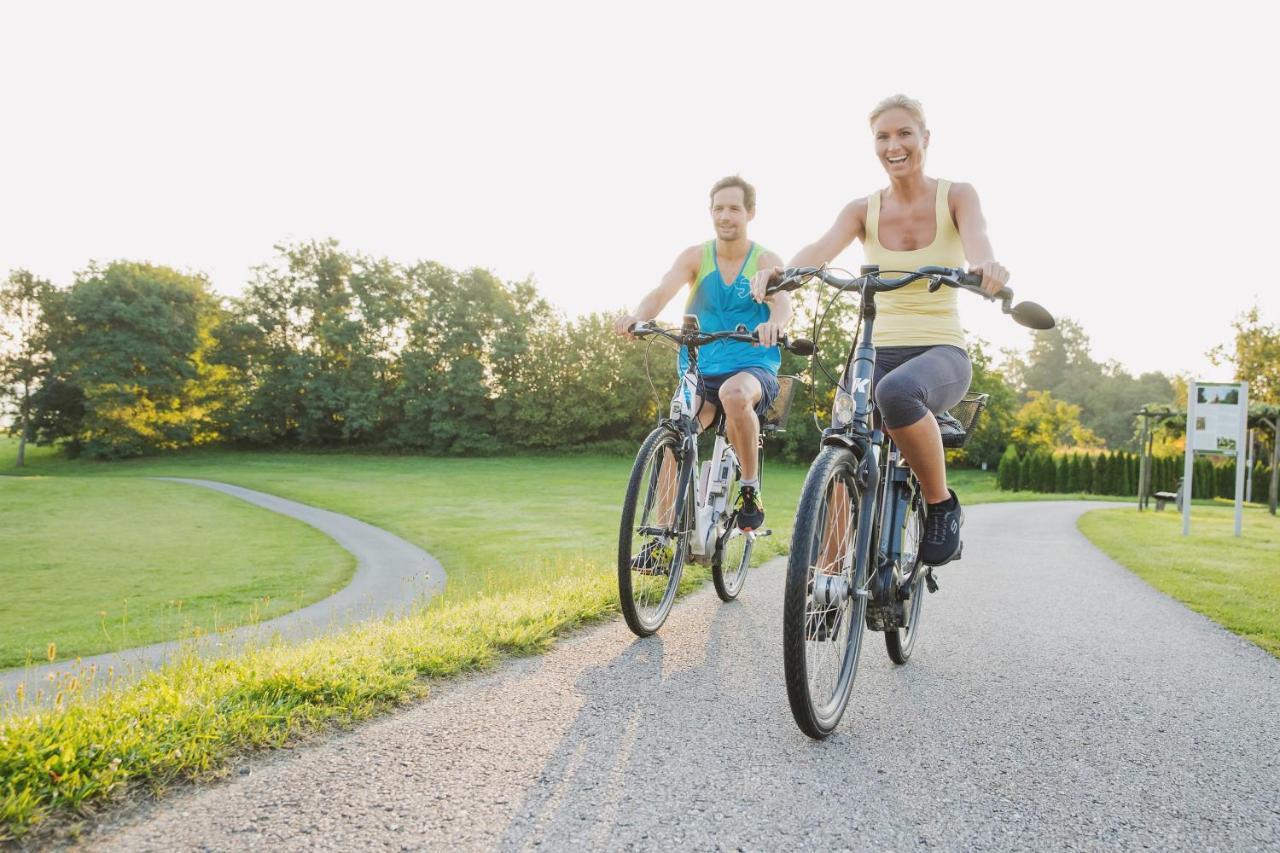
[1275,464]
[1144,466]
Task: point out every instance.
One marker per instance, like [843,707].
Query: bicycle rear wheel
[653,540]
[823,613]
[901,641]
[733,553]
[729,570]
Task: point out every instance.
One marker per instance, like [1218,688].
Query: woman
[922,367]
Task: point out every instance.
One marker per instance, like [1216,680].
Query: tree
[1059,362]
[1044,423]
[316,337]
[991,434]
[129,370]
[1007,472]
[1255,355]
[23,353]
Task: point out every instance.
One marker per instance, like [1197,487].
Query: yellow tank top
[913,316]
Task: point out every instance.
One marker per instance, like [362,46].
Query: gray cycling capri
[910,381]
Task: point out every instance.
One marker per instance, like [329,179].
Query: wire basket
[965,415]
[775,419]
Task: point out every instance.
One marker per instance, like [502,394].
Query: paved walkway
[391,575]
[1054,701]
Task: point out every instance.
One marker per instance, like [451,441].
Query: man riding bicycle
[739,378]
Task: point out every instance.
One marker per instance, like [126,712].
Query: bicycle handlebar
[1024,313]
[693,338]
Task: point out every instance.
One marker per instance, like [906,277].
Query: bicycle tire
[644,598]
[901,641]
[804,620]
[733,554]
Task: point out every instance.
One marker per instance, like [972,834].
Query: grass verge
[1233,581]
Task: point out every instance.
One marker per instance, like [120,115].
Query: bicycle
[675,518]
[854,558]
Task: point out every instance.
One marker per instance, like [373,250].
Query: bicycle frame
[714,476]
[882,472]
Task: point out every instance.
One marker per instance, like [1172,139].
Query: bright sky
[1124,152]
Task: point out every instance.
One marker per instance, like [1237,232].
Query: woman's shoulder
[856,210]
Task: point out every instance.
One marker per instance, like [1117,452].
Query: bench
[1163,498]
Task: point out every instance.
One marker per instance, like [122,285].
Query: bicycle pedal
[930,581]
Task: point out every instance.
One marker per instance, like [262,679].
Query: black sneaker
[942,532]
[750,509]
[654,557]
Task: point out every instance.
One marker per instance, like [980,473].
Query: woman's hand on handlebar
[760,283]
[994,276]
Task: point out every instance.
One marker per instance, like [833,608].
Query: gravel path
[391,574]
[1054,701]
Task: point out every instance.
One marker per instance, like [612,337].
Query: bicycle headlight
[842,412]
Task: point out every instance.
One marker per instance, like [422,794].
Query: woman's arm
[850,225]
[779,307]
[972,226]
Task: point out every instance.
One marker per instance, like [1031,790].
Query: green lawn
[1233,581]
[92,564]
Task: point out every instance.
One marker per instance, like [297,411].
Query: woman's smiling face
[900,142]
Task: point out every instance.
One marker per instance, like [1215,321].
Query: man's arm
[779,307]
[972,226]
[680,274]
[850,225]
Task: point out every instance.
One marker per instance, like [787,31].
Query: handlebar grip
[802,347]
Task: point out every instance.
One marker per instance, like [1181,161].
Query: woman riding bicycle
[922,368]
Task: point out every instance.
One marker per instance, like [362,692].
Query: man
[740,378]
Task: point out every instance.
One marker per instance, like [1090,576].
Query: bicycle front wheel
[825,602]
[653,540]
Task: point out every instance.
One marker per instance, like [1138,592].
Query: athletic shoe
[942,532]
[750,509]
[654,558]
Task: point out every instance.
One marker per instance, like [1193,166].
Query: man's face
[729,214]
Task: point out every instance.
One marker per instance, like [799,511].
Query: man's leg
[667,476]
[739,396]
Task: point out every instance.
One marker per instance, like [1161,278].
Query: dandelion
[52,652]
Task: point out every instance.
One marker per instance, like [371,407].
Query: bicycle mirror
[1032,316]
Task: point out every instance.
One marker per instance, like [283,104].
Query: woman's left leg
[908,396]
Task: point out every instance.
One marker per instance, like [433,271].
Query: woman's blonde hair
[911,105]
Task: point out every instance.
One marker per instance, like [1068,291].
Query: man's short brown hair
[748,191]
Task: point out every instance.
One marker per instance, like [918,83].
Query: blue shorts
[768,386]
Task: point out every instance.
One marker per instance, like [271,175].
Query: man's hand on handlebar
[994,276]
[761,280]
[769,333]
[624,323]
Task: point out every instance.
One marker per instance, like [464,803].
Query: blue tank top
[722,306]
